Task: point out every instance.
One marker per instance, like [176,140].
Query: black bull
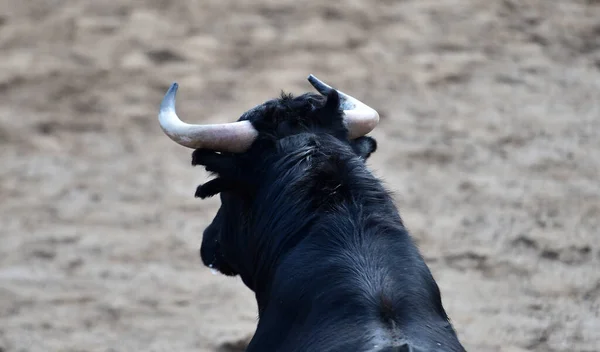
[318,239]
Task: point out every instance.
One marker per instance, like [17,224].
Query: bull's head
[239,153]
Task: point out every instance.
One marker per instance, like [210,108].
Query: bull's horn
[232,137]
[360,118]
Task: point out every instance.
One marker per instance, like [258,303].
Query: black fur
[318,239]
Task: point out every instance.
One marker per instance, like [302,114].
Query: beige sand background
[490,139]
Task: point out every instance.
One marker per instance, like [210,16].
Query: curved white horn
[360,118]
[232,137]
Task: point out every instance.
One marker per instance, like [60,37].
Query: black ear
[330,114]
[213,187]
[333,103]
[215,163]
[225,167]
[364,146]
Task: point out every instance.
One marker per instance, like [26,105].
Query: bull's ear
[333,102]
[364,146]
[331,114]
[213,187]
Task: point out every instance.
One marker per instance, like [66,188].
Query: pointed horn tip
[314,80]
[319,85]
[173,88]
[168,102]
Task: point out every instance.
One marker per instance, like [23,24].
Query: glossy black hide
[318,239]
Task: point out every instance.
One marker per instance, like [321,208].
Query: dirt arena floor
[489,137]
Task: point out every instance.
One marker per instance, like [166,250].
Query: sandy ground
[490,138]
